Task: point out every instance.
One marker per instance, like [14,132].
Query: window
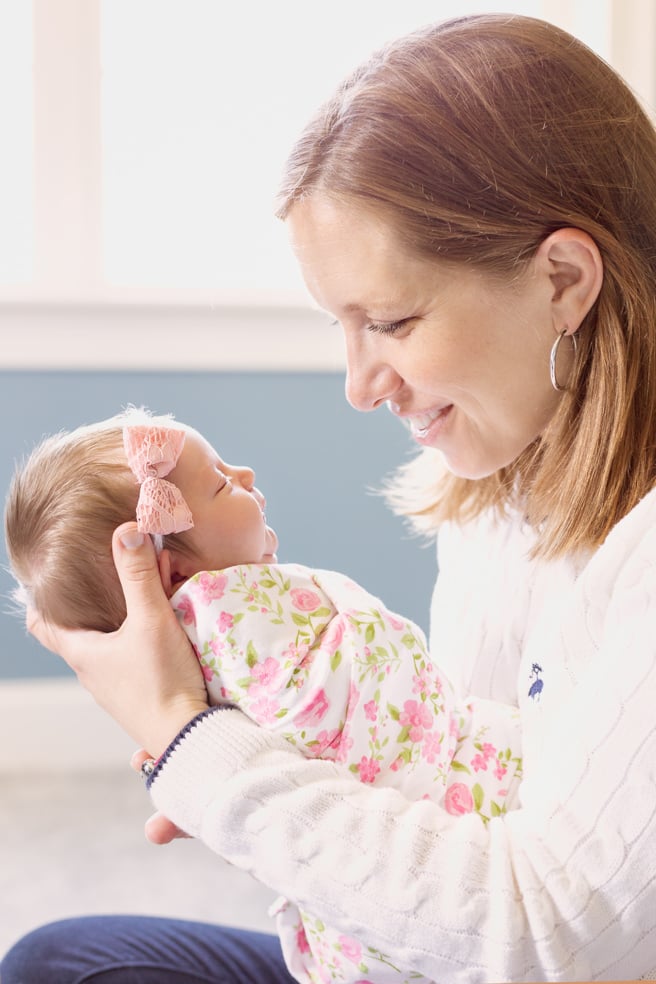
[16,94]
[192,147]
[146,172]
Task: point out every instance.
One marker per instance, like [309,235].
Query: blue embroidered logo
[536,687]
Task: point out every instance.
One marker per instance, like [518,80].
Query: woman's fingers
[47,635]
[138,759]
[159,830]
[138,571]
[73,645]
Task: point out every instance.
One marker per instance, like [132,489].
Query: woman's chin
[477,461]
[471,470]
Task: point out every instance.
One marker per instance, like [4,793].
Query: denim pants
[143,950]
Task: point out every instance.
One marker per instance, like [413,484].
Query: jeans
[143,950]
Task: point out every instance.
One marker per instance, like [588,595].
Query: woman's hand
[158,829]
[145,675]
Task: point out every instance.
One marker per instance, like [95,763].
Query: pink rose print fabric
[313,656]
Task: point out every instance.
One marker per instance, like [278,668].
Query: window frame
[69,317]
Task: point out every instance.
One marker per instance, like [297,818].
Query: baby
[307,653]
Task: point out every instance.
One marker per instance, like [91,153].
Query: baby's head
[74,489]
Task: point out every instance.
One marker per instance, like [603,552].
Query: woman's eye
[387,329]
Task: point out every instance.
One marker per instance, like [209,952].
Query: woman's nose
[368,386]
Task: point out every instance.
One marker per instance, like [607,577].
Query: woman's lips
[422,425]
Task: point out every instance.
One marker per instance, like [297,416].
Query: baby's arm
[486,770]
[405,725]
[316,658]
[262,634]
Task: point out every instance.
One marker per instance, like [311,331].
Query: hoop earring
[552,360]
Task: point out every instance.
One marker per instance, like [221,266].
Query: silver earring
[552,360]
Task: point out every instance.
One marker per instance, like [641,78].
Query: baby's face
[227,509]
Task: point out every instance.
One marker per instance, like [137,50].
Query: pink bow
[153,452]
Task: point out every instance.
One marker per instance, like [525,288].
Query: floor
[74,844]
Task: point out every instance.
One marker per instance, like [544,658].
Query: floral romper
[313,656]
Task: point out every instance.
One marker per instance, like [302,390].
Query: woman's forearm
[545,892]
[366,861]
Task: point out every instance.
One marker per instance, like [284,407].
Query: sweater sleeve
[445,897]
[562,889]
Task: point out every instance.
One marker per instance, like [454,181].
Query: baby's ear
[164,561]
[174,569]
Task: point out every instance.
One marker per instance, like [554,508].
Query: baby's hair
[64,502]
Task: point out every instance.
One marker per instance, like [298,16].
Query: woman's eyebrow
[387,303]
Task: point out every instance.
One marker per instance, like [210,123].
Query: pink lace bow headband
[153,452]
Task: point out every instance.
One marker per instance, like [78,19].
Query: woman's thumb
[138,571]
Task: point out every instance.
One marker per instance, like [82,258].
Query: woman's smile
[424,427]
[464,358]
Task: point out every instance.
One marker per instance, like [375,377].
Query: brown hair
[477,138]
[64,503]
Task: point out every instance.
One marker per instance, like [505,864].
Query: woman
[477,207]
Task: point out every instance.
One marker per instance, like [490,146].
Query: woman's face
[462,359]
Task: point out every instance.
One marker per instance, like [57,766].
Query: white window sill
[182,335]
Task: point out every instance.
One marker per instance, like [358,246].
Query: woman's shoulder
[638,522]
[509,533]
[628,553]
[632,540]
[504,535]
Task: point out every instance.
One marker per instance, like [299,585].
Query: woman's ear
[573,263]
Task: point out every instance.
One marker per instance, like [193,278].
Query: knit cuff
[188,728]
[214,747]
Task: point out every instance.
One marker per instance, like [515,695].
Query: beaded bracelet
[147,768]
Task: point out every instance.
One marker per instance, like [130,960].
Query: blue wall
[317,461]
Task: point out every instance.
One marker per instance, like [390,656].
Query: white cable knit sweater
[563,889]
